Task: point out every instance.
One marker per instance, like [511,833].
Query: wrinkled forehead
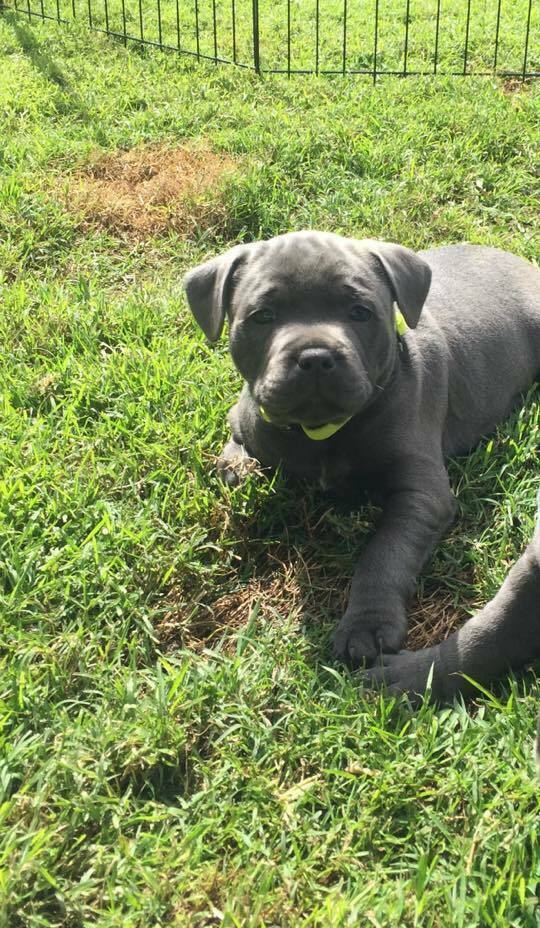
[299,266]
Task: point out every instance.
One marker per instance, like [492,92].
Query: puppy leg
[504,635]
[412,522]
[234,463]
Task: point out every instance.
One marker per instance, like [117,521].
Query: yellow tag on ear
[401,325]
[265,416]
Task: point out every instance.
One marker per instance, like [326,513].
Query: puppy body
[407,403]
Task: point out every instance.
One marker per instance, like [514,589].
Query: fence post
[526,51]
[256,51]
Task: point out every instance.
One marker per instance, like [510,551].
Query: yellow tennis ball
[324,431]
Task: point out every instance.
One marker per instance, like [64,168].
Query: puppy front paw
[234,464]
[408,673]
[361,639]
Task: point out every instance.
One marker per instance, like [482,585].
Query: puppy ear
[409,277]
[209,290]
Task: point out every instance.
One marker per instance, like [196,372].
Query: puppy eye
[360,313]
[263,316]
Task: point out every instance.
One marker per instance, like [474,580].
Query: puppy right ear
[408,275]
[209,289]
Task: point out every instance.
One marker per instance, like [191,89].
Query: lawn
[177,746]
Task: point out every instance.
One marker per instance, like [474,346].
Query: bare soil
[151,190]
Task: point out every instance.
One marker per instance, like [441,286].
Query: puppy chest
[334,472]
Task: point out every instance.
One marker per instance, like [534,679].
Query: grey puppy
[342,387]
[504,635]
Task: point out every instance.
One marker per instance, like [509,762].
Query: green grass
[159,767]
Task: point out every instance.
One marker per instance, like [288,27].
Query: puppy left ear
[409,277]
[209,290]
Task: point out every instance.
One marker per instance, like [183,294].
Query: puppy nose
[316,360]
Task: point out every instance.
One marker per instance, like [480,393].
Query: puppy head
[311,318]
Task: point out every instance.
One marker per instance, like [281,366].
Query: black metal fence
[374,37]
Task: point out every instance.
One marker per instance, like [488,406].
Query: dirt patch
[512,85]
[151,190]
[283,586]
[292,586]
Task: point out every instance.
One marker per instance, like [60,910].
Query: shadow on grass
[293,560]
[68,100]
[31,47]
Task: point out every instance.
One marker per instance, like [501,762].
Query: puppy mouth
[317,422]
[315,431]
[316,413]
[324,431]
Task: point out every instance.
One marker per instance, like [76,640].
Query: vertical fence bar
[214,24]
[256,37]
[178,25]
[497,28]
[58,10]
[437,28]
[42,8]
[197,36]
[106,5]
[527,34]
[406,46]
[73,9]
[288,38]
[141,23]
[317,13]
[29,11]
[90,19]
[344,50]
[375,41]
[124,26]
[160,30]
[233,10]
[467,29]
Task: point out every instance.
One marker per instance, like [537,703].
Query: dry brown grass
[432,618]
[152,189]
[288,585]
